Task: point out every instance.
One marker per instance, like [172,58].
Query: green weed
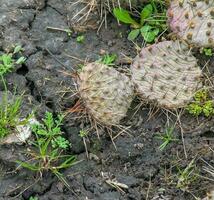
[7,62]
[167,138]
[83,133]
[9,114]
[187,176]
[48,149]
[80,39]
[33,198]
[207,52]
[108,59]
[151,21]
[202,104]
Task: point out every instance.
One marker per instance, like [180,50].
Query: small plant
[83,134]
[108,59]
[167,138]
[150,24]
[47,152]
[10,114]
[187,176]
[33,198]
[80,67]
[202,104]
[207,52]
[80,38]
[7,62]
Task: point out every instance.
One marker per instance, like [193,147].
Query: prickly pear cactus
[166,73]
[106,93]
[193,21]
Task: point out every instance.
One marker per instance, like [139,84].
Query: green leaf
[28,166]
[145,29]
[124,16]
[146,13]
[67,163]
[80,38]
[17,49]
[156,31]
[149,37]
[7,60]
[149,34]
[133,34]
[21,60]
[60,142]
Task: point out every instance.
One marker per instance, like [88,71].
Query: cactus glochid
[106,93]
[166,73]
[193,21]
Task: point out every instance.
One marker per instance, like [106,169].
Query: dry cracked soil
[46,79]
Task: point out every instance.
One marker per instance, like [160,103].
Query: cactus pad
[166,73]
[193,21]
[106,93]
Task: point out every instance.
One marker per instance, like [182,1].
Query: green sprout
[202,104]
[167,138]
[207,51]
[48,150]
[10,109]
[7,62]
[80,38]
[33,198]
[80,67]
[83,133]
[151,23]
[108,59]
[187,176]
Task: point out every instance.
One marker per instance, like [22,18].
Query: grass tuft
[9,114]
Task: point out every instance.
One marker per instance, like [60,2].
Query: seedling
[10,110]
[187,176]
[207,51]
[83,134]
[47,151]
[33,198]
[80,38]
[7,62]
[167,138]
[202,104]
[80,67]
[108,59]
[150,24]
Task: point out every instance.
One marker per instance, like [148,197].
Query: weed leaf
[124,16]
[28,166]
[146,13]
[133,34]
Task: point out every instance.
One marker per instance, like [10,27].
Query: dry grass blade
[85,12]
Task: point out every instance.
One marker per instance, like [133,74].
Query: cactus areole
[167,74]
[106,93]
[193,21]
